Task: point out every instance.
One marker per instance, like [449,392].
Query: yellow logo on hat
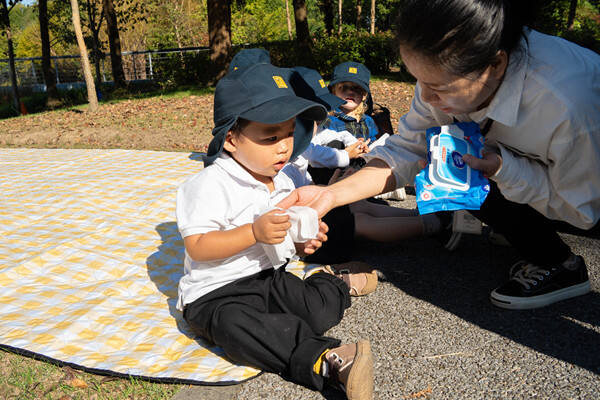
[235,68]
[322,83]
[352,70]
[279,82]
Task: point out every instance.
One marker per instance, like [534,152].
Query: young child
[309,84]
[231,294]
[350,82]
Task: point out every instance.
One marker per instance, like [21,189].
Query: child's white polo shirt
[223,196]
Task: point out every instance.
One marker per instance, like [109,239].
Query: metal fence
[137,65]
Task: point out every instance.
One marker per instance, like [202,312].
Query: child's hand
[271,227]
[356,149]
[365,146]
[314,244]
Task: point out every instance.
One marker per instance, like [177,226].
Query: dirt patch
[158,123]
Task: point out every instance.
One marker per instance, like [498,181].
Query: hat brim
[302,136]
[330,101]
[352,79]
[273,112]
[284,108]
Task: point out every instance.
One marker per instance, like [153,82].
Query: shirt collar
[504,107]
[236,171]
[341,115]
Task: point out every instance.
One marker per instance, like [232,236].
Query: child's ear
[230,141]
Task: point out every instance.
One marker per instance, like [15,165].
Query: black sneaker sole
[526,303]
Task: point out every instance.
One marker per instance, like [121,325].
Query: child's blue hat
[247,57]
[309,84]
[351,71]
[261,93]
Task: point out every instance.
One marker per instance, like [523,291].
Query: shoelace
[529,275]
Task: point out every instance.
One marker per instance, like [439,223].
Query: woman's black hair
[463,36]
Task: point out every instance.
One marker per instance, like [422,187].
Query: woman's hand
[489,165]
[271,227]
[320,198]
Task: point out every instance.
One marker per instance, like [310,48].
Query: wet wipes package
[447,183]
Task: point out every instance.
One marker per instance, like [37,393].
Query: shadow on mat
[460,283]
[165,268]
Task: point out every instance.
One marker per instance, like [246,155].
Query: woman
[537,99]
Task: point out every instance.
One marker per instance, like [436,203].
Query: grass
[23,378]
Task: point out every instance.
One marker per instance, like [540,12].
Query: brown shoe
[360,277]
[351,369]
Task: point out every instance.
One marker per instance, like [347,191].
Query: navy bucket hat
[248,57]
[351,71]
[261,93]
[309,84]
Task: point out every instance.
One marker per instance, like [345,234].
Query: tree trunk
[85,62]
[219,35]
[114,41]
[96,52]
[175,22]
[49,78]
[572,12]
[372,17]
[95,28]
[303,33]
[289,21]
[340,3]
[327,9]
[5,23]
[358,13]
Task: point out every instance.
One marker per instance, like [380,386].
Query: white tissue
[380,141]
[305,226]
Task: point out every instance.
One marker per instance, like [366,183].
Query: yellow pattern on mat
[90,259]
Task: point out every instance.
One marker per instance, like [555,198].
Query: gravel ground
[435,335]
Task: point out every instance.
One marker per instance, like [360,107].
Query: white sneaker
[398,194]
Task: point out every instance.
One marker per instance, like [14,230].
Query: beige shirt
[546,127]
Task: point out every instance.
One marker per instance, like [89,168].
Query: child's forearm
[216,245]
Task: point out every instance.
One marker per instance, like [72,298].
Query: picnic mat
[90,259]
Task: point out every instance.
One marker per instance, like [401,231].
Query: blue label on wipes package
[447,183]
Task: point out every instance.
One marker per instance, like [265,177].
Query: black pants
[532,234]
[273,320]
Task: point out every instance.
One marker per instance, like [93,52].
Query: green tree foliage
[176,23]
[552,16]
[21,18]
[28,42]
[259,21]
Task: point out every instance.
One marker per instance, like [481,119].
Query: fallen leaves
[156,123]
[418,395]
[77,383]
[72,380]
